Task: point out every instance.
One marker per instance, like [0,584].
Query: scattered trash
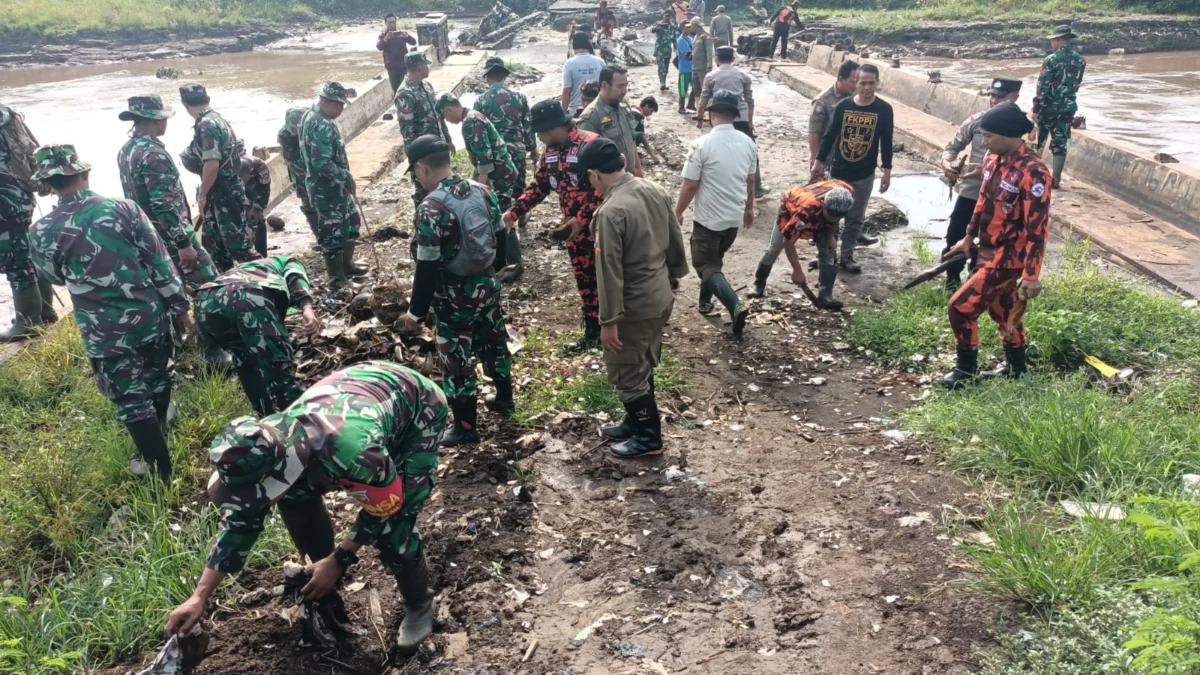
[1191,485]
[180,655]
[817,381]
[495,619]
[631,650]
[897,435]
[916,519]
[889,599]
[591,627]
[355,587]
[1102,510]
[674,473]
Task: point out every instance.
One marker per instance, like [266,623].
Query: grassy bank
[94,557]
[1086,517]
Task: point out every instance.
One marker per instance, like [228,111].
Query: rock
[276,223]
[360,307]
[1164,158]
[882,216]
[629,35]
[1118,51]
[601,494]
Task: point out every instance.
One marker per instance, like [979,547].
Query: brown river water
[1146,99]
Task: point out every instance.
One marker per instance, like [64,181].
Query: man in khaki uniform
[610,117]
[722,28]
[639,260]
[702,61]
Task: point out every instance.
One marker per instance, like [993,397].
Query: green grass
[65,16]
[89,587]
[884,16]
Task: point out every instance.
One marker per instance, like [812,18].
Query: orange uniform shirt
[801,209]
[1012,216]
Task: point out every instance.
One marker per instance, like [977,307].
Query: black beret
[601,155]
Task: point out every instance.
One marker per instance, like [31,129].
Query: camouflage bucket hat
[193,94]
[256,461]
[58,160]
[446,100]
[149,107]
[414,59]
[494,63]
[334,91]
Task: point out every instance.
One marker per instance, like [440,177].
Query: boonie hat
[256,461]
[414,59]
[1063,31]
[146,107]
[334,91]
[58,160]
[495,63]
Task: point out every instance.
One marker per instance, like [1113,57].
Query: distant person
[703,55]
[858,140]
[666,32]
[606,19]
[760,15]
[394,45]
[683,64]
[722,28]
[580,68]
[821,115]
[784,18]
[331,186]
[1054,106]
[969,176]
[647,107]
[1012,222]
[589,92]
[610,117]
[696,8]
[415,112]
[680,7]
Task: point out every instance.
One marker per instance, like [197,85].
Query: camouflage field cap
[193,93]
[58,160]
[334,91]
[414,59]
[148,107]
[256,461]
[446,100]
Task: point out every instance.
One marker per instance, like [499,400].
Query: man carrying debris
[811,212]
[784,18]
[666,32]
[606,19]
[256,177]
[33,296]
[702,63]
[221,198]
[610,117]
[243,311]
[967,173]
[859,138]
[719,175]
[459,238]
[370,429]
[486,150]
[1011,219]
[123,288]
[577,201]
[640,259]
[508,111]
[1054,107]
[289,147]
[330,185]
[722,28]
[728,78]
[415,111]
[580,68]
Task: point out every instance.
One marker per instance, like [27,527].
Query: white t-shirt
[577,70]
[721,161]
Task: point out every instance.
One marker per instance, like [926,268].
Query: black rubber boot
[46,290]
[1014,365]
[463,431]
[825,278]
[719,286]
[256,389]
[309,526]
[28,315]
[864,240]
[953,282]
[418,608]
[502,402]
[211,353]
[965,370]
[335,267]
[760,280]
[162,409]
[148,438]
[647,430]
[1059,163]
[590,339]
[352,267]
[626,429]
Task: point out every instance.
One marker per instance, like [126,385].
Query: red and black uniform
[577,200]
[802,210]
[1012,221]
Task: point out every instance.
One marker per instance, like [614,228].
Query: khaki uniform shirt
[822,110]
[722,30]
[614,122]
[969,135]
[703,53]
[639,248]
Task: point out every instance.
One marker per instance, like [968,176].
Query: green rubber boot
[28,315]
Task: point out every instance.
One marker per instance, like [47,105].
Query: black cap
[1006,120]
[547,115]
[423,147]
[600,154]
[1003,86]
[495,63]
[724,101]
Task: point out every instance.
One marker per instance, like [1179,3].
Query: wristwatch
[344,557]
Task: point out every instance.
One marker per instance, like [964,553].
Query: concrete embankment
[1143,212]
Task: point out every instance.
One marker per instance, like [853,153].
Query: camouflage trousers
[664,65]
[248,323]
[993,291]
[204,271]
[338,220]
[298,184]
[227,234]
[15,260]
[1057,130]
[132,381]
[470,323]
[582,250]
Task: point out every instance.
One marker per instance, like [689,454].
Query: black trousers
[396,77]
[960,218]
[781,34]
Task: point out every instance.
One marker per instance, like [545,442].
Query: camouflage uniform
[489,154]
[150,179]
[123,288]
[508,111]
[665,35]
[417,116]
[469,317]
[289,147]
[371,429]
[227,236]
[16,213]
[328,179]
[243,311]
[258,196]
[1055,106]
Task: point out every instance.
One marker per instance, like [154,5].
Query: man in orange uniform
[1011,220]
[811,212]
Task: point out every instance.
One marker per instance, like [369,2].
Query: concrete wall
[1168,191]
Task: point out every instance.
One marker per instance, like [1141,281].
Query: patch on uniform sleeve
[819,108]
[553,182]
[380,502]
[1038,190]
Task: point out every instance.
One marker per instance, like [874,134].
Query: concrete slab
[1150,245]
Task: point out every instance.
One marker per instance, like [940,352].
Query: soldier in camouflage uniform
[123,288]
[243,311]
[459,237]
[150,179]
[415,111]
[32,295]
[256,178]
[289,147]
[370,429]
[666,33]
[486,150]
[331,187]
[221,198]
[1054,106]
[509,112]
